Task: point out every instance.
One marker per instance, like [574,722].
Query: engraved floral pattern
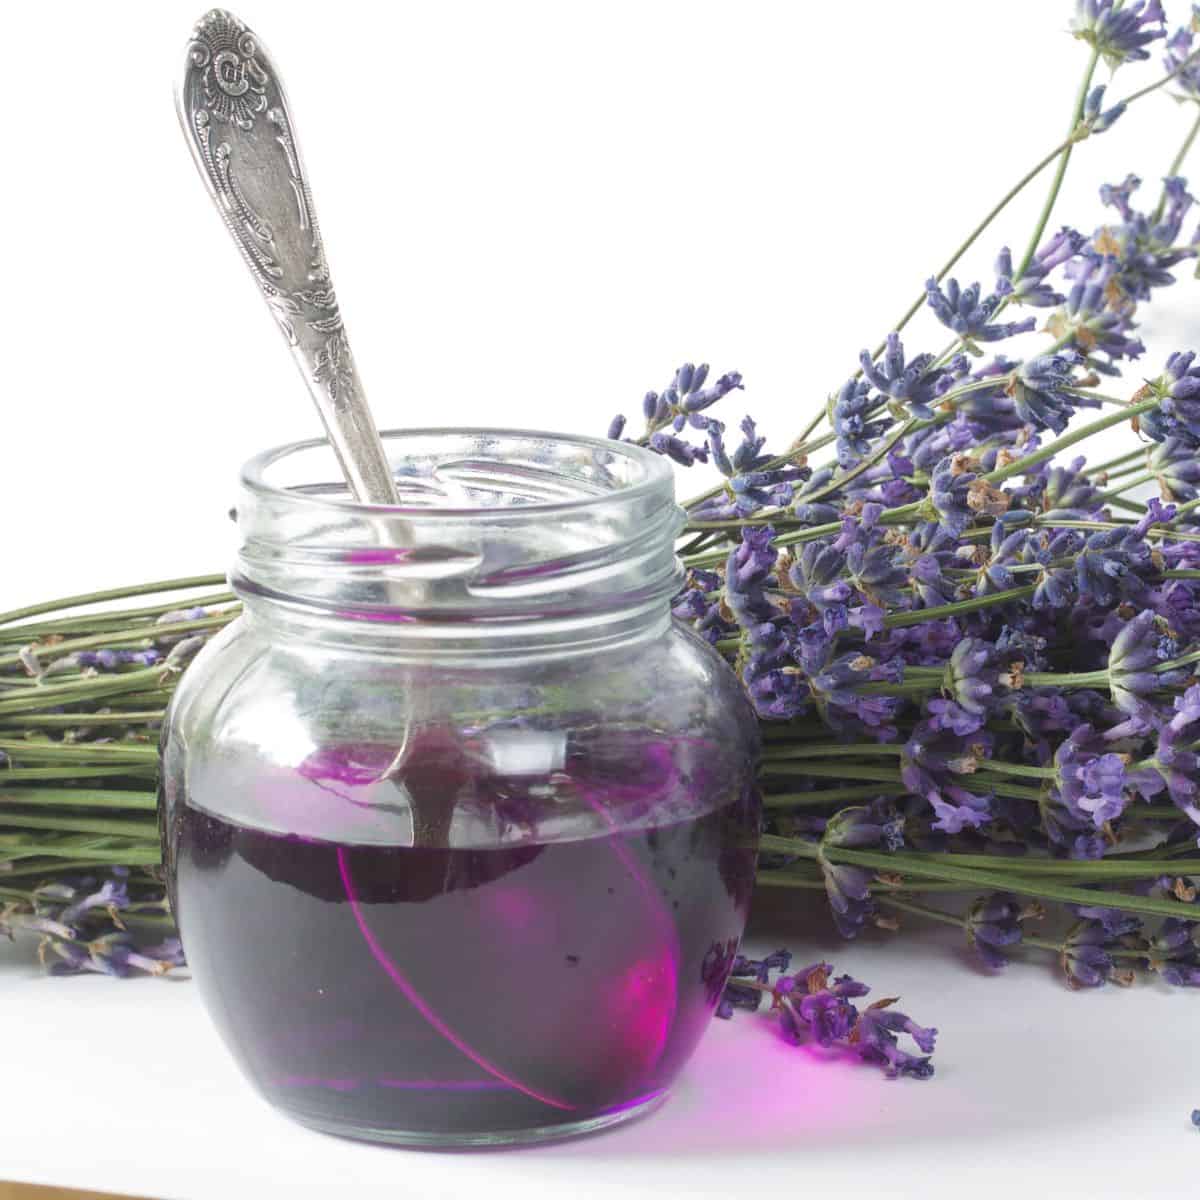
[334,369]
[233,81]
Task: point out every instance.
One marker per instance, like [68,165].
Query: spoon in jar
[237,123]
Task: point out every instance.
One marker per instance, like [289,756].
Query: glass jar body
[465,898]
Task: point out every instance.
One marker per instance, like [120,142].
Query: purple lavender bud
[184,651]
[677,450]
[1096,120]
[716,448]
[701,398]
[650,405]
[877,1043]
[616,428]
[849,894]
[112,896]
[1004,265]
[993,925]
[1131,660]
[748,454]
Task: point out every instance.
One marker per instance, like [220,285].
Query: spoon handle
[237,123]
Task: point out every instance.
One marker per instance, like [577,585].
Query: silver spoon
[236,120]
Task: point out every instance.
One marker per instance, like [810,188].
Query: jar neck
[504,571]
[457,644]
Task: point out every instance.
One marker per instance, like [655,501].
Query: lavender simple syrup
[382,989]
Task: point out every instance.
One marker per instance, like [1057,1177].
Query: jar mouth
[502,535]
[455,472]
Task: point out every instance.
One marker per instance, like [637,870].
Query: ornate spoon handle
[236,119]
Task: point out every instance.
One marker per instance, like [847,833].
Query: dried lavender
[814,1006]
[1002,643]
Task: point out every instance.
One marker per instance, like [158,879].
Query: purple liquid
[425,990]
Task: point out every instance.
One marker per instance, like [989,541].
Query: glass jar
[460,825]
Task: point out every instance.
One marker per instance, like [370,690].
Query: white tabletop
[730,182]
[124,1086]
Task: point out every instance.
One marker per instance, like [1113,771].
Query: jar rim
[654,472]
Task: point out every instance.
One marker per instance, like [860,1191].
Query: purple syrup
[378,988]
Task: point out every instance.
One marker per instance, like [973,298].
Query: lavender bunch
[82,698]
[975,655]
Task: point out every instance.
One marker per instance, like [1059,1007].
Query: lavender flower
[1178,392]
[1040,392]
[1143,247]
[1097,315]
[679,406]
[851,408]
[913,382]
[963,311]
[1175,953]
[816,1006]
[1134,654]
[1032,288]
[994,925]
[971,678]
[1178,58]
[876,1033]
[1085,956]
[1120,35]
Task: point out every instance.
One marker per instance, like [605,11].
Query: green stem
[1043,889]
[1121,459]
[109,619]
[68,770]
[1067,679]
[77,798]
[1021,466]
[74,720]
[1135,481]
[1064,157]
[1098,869]
[48,751]
[999,767]
[142,589]
[815,799]
[894,784]
[920,615]
[1121,472]
[82,691]
[129,827]
[147,635]
[832,750]
[1173,169]
[57,867]
[881,451]
[131,855]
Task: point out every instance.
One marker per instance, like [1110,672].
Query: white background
[533,213]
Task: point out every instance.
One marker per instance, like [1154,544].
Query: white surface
[540,210]
[125,1086]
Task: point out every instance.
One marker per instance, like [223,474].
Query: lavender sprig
[815,1006]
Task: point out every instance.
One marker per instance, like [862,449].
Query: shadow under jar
[460,825]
